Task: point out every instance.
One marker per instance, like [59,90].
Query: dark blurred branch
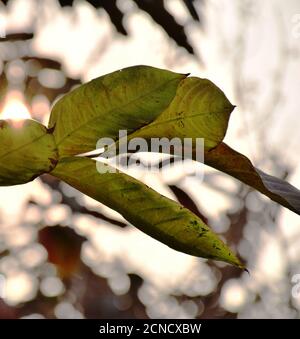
[156,10]
[162,17]
[17,36]
[190,6]
[115,15]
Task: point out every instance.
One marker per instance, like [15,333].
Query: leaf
[123,100]
[199,110]
[63,246]
[238,166]
[154,214]
[26,151]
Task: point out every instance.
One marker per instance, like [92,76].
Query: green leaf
[238,166]
[26,151]
[154,214]
[123,100]
[199,110]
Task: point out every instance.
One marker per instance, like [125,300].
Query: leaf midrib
[154,123]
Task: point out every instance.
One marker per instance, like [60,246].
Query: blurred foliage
[157,11]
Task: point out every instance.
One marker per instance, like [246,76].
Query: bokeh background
[64,255]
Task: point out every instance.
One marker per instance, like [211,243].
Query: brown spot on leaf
[51,129]
[53,161]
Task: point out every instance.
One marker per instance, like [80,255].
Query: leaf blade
[125,99]
[26,151]
[154,214]
[199,110]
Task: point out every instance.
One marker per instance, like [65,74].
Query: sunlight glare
[15,108]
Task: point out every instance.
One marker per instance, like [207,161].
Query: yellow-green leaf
[154,214]
[123,100]
[199,110]
[27,149]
